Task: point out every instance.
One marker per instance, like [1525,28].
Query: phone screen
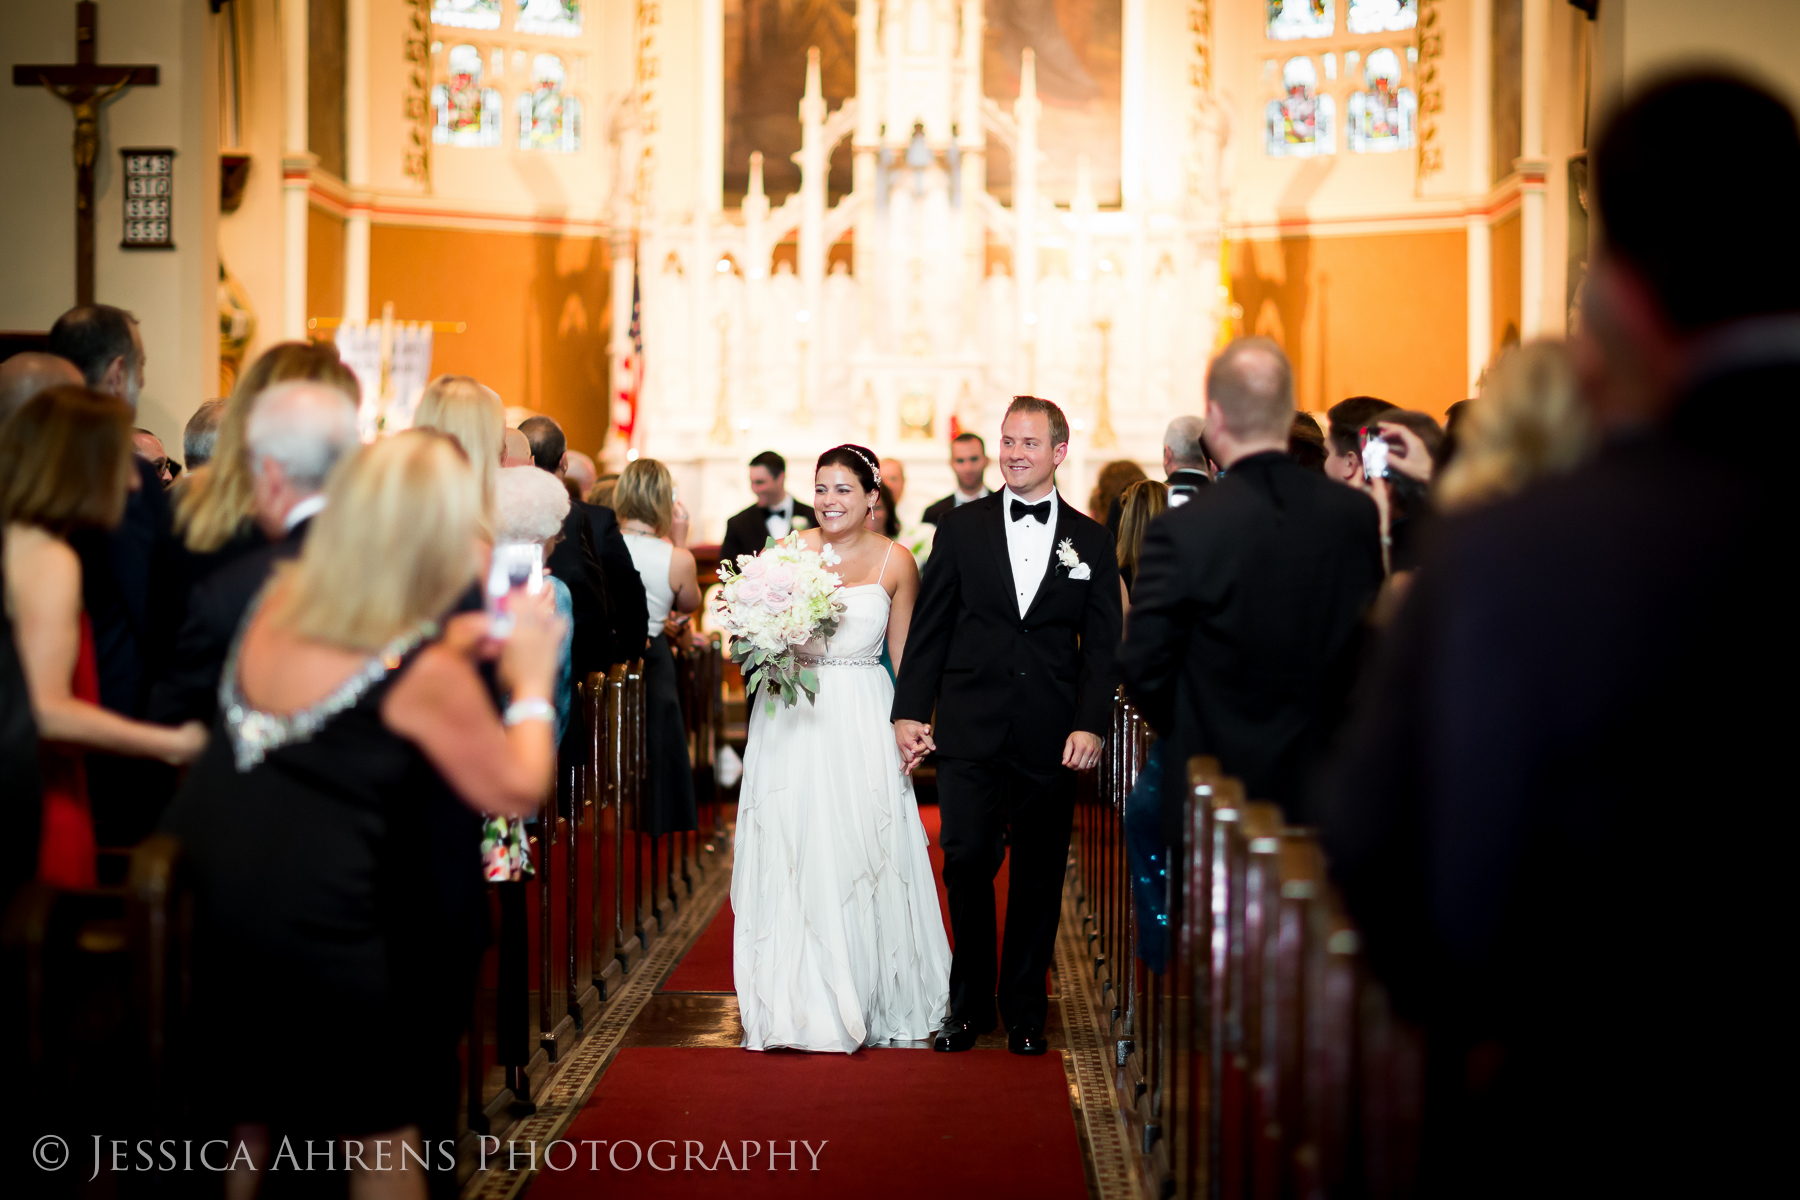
[516,567]
[1375,458]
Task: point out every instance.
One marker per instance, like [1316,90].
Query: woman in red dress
[65,464]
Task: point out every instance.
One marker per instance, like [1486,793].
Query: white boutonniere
[799,522]
[1071,561]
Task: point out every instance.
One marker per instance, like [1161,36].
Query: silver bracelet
[532,708]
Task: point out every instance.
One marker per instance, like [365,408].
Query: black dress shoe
[955,1035]
[1027,1039]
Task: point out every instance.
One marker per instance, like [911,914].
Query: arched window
[558,18]
[1285,20]
[466,14]
[549,119]
[467,114]
[1381,117]
[1301,123]
[1382,16]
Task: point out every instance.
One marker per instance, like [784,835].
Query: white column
[1532,168]
[1131,122]
[971,139]
[1025,212]
[865,144]
[356,165]
[296,168]
[1479,233]
[710,189]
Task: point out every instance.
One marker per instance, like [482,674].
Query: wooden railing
[1263,1061]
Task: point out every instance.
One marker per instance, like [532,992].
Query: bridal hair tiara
[860,453]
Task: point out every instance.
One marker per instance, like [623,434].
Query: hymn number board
[149,188]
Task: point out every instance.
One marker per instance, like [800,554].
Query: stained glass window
[1300,124]
[1382,16]
[466,14]
[467,114]
[1380,118]
[1285,20]
[558,18]
[548,119]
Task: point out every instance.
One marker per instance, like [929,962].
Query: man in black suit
[296,434]
[131,579]
[1344,423]
[969,463]
[1558,816]
[1250,598]
[1012,644]
[1184,466]
[612,616]
[775,513]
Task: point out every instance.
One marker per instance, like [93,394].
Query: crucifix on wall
[84,86]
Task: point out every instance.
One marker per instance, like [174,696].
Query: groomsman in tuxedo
[775,513]
[969,463]
[1012,644]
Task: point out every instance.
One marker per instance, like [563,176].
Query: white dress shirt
[312,506]
[781,518]
[1029,545]
[957,499]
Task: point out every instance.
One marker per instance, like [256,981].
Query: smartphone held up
[516,568]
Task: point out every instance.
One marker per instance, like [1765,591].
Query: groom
[1012,642]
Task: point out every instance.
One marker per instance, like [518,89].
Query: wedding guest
[774,514]
[21,801]
[655,529]
[148,447]
[1344,423]
[969,463]
[1113,479]
[1141,503]
[1453,419]
[66,464]
[1243,637]
[602,491]
[1528,422]
[1185,465]
[332,830]
[883,516]
[579,469]
[133,580]
[893,477]
[1576,693]
[29,372]
[295,435]
[474,415]
[1401,489]
[531,505]
[515,449]
[202,434]
[1306,442]
[610,609]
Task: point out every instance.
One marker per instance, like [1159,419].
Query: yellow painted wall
[536,307]
[1380,315]
[324,264]
[1506,290]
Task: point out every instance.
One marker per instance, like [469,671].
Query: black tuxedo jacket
[189,689]
[748,531]
[611,613]
[1246,622]
[134,587]
[990,673]
[939,509]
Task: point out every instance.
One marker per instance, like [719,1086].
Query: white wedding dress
[839,942]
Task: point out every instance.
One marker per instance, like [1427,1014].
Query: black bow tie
[1040,510]
[774,512]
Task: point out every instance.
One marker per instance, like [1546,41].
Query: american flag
[631,368]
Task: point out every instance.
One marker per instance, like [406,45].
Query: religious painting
[558,18]
[466,114]
[549,119]
[1382,16]
[466,14]
[1300,124]
[1285,20]
[1381,117]
[1078,55]
[765,77]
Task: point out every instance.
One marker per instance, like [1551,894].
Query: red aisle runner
[707,965]
[894,1124]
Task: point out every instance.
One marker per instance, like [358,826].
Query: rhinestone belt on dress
[819,660]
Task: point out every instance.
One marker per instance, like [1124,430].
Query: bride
[838,942]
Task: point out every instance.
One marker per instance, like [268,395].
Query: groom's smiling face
[1028,459]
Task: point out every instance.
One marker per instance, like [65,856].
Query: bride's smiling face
[839,499]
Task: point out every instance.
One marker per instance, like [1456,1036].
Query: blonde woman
[1140,504]
[215,506]
[474,415]
[1527,422]
[655,527]
[334,825]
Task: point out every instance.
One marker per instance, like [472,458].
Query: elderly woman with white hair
[530,505]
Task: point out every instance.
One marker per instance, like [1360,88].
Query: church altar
[915,305]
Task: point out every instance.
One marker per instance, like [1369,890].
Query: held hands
[914,740]
[1081,752]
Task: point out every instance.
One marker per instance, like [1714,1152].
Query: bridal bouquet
[773,603]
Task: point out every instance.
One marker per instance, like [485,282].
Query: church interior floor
[665,1066]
